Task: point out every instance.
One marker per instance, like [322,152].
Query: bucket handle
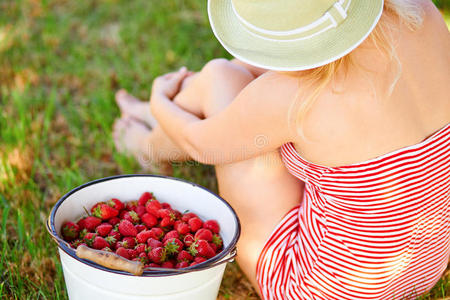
[113,261]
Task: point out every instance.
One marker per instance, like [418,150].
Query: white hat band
[334,16]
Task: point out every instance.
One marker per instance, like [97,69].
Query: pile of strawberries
[146,230]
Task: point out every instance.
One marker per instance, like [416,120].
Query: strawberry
[123,252]
[166,222]
[114,221]
[149,220]
[166,205]
[98,204]
[128,242]
[185,217]
[130,205]
[132,253]
[184,256]
[193,264]
[89,238]
[143,257]
[163,212]
[154,265]
[203,234]
[131,216]
[83,233]
[152,207]
[212,225]
[115,234]
[173,246]
[157,233]
[181,265]
[188,239]
[199,259]
[143,236]
[116,204]
[141,248]
[103,229]
[140,227]
[70,231]
[126,228]
[144,198]
[105,212]
[89,223]
[201,248]
[214,247]
[195,224]
[152,243]
[217,240]
[157,255]
[168,265]
[140,210]
[77,243]
[107,249]
[171,234]
[182,228]
[99,243]
[111,241]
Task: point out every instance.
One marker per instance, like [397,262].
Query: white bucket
[87,280]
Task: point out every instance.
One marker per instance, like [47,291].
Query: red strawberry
[111,241]
[132,253]
[184,256]
[168,265]
[103,229]
[187,216]
[126,228]
[166,205]
[140,227]
[130,205]
[195,224]
[157,233]
[70,231]
[99,243]
[114,233]
[140,210]
[89,238]
[153,265]
[188,239]
[149,220]
[181,265]
[193,264]
[105,212]
[157,255]
[203,234]
[143,257]
[152,243]
[163,212]
[199,259]
[107,249]
[214,247]
[173,246]
[98,204]
[144,198]
[217,240]
[83,233]
[131,216]
[114,221]
[90,223]
[166,222]
[128,242]
[182,228]
[77,243]
[202,248]
[141,248]
[116,203]
[153,206]
[123,252]
[143,236]
[212,225]
[171,234]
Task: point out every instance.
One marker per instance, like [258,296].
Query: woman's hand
[168,85]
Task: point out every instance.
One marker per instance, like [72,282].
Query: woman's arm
[256,122]
[252,69]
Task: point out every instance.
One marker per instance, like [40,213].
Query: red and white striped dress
[373,230]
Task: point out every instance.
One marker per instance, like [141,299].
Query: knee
[220,67]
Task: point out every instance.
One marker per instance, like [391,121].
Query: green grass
[60,63]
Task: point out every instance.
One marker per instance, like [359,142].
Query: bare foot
[132,137]
[135,108]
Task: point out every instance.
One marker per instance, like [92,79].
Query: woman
[356,106]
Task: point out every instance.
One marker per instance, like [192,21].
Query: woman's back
[356,118]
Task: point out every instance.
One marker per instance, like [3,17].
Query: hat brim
[294,55]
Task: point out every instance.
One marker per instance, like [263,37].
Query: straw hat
[290,35]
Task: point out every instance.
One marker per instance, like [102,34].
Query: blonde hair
[408,12]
